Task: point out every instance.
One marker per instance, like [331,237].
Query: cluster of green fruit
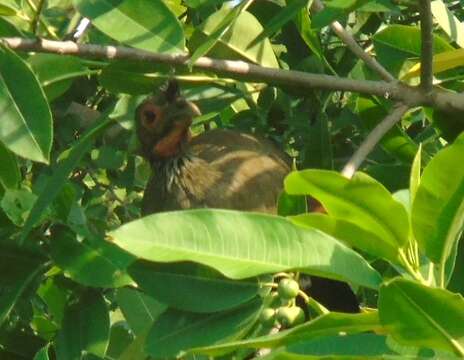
[280,306]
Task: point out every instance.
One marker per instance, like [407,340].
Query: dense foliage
[84,276]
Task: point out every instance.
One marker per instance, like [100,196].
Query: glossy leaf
[55,72]
[185,286]
[241,245]
[396,43]
[414,315]
[350,234]
[148,25]
[9,170]
[139,309]
[325,325]
[177,331]
[221,28]
[361,201]
[86,327]
[26,118]
[236,42]
[92,263]
[438,208]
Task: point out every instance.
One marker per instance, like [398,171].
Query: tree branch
[372,139]
[426,25]
[350,41]
[412,96]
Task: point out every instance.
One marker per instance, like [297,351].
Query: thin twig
[426,25]
[36,18]
[298,80]
[373,138]
[350,41]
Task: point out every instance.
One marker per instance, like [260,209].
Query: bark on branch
[411,96]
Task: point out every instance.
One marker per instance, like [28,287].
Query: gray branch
[372,139]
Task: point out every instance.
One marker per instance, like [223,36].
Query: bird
[219,168]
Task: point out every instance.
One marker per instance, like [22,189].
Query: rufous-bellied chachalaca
[219,168]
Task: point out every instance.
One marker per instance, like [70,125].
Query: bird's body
[219,169]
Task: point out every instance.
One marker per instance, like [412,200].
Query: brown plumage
[216,169]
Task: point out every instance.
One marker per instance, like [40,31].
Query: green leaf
[94,263]
[362,201]
[219,30]
[18,270]
[139,310]
[42,354]
[86,327]
[185,286]
[69,160]
[26,118]
[17,204]
[438,208]
[397,43]
[276,23]
[241,245]
[236,42]
[148,25]
[422,316]
[415,178]
[8,8]
[9,170]
[344,345]
[177,331]
[55,72]
[326,325]
[351,234]
[336,9]
[448,22]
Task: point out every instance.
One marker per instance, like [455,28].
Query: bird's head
[163,121]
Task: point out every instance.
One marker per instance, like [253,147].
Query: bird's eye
[150,116]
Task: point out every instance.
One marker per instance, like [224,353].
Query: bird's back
[221,169]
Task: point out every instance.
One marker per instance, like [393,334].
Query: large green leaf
[91,262]
[55,72]
[438,208]
[361,200]
[351,234]
[241,245]
[148,25]
[221,28]
[26,118]
[422,316]
[236,42]
[325,325]
[394,44]
[139,309]
[177,331]
[185,286]
[85,328]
